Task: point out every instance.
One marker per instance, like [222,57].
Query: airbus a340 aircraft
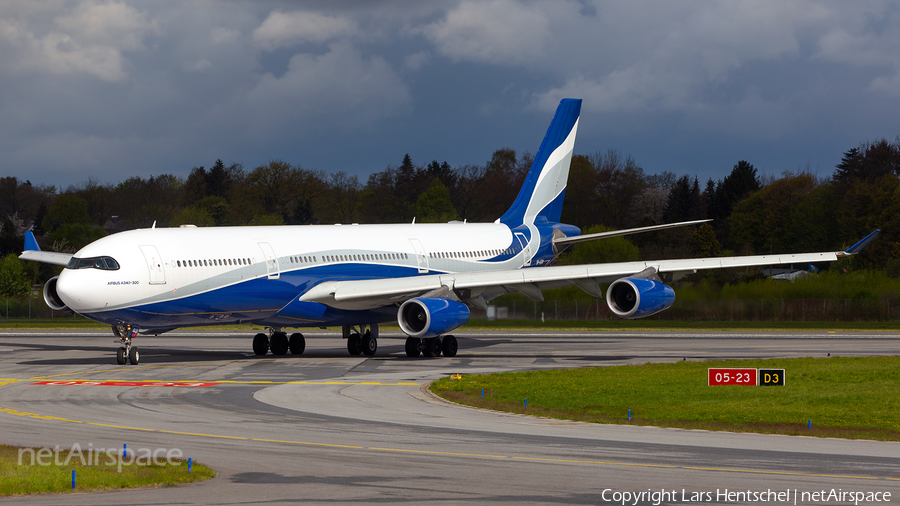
[424,276]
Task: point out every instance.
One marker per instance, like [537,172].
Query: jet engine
[639,297]
[51,296]
[426,317]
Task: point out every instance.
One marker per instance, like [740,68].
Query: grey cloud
[417,60]
[340,88]
[288,28]
[91,39]
[692,50]
[121,87]
[501,32]
[156,104]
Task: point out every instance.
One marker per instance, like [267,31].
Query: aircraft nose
[67,290]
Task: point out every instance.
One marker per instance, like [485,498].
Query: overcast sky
[110,89]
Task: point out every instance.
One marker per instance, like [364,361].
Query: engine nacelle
[51,296]
[639,297]
[430,317]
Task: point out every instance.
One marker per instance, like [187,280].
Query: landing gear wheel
[432,347]
[260,344]
[121,358]
[279,343]
[449,346]
[134,356]
[297,344]
[413,347]
[369,344]
[353,344]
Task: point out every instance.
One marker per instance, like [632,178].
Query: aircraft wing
[620,233]
[368,294]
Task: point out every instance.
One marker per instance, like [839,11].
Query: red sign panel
[741,377]
[127,383]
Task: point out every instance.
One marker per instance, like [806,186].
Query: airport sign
[739,377]
[771,377]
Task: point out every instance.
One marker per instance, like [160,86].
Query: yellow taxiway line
[229,382]
[438,453]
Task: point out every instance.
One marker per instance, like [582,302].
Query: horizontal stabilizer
[619,233]
[33,252]
[47,257]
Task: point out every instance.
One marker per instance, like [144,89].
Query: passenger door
[271,260]
[523,243]
[421,257]
[154,265]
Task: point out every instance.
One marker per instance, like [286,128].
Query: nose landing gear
[127,352]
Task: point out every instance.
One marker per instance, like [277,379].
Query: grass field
[95,473]
[51,323]
[843,397]
[85,324]
[646,324]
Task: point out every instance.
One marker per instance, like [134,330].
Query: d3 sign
[771,377]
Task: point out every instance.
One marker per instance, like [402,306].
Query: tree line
[796,212]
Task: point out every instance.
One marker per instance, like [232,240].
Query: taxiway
[325,427]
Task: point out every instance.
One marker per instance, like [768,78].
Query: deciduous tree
[13,280]
[434,206]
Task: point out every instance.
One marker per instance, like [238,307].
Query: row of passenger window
[472,254]
[333,258]
[374,257]
[218,262]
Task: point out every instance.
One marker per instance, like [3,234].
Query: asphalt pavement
[328,428]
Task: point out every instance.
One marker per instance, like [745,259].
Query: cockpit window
[102,263]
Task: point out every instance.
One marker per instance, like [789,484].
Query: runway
[326,427]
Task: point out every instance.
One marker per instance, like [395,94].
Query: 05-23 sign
[741,377]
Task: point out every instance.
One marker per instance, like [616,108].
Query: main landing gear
[361,341]
[432,347]
[126,352]
[279,343]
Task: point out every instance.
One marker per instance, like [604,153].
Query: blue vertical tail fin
[542,194]
[30,242]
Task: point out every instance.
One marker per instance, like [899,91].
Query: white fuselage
[273,264]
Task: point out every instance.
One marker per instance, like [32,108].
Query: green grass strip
[686,325]
[854,397]
[51,323]
[25,475]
